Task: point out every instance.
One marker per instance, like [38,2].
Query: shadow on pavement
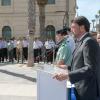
[9,63]
[18,75]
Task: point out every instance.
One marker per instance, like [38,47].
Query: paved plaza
[18,82]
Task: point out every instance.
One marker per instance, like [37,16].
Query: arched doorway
[50,30]
[6,32]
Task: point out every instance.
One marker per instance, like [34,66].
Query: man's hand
[62,66]
[61,76]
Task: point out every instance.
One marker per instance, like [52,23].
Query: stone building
[14,17]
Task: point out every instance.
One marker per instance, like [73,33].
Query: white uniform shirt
[71,42]
[47,45]
[39,43]
[4,44]
[15,43]
[35,45]
[51,43]
[25,43]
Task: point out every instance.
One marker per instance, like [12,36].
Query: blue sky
[88,8]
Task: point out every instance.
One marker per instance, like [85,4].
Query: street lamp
[98,21]
[96,17]
[65,22]
[66,14]
[77,11]
[93,21]
[99,16]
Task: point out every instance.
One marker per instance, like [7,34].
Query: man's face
[76,29]
[59,37]
[98,38]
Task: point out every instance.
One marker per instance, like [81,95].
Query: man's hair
[81,20]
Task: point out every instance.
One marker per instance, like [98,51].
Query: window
[5,2]
[6,32]
[50,30]
[51,1]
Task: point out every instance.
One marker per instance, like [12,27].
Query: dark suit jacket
[84,67]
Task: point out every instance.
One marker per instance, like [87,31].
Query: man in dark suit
[85,62]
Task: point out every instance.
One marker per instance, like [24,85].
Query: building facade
[14,17]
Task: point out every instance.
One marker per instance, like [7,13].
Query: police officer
[19,50]
[0,49]
[4,50]
[40,45]
[10,48]
[14,41]
[49,44]
[35,49]
[25,48]
[64,54]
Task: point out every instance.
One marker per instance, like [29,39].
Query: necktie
[76,45]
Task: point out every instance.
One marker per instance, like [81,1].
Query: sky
[88,8]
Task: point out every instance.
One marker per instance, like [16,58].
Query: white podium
[49,88]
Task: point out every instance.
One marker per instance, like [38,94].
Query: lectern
[49,88]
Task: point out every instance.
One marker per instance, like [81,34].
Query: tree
[31,27]
[42,4]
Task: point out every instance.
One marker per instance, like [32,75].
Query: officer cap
[63,31]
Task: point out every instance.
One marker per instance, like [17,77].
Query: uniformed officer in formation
[10,48]
[14,42]
[0,49]
[4,50]
[49,45]
[40,45]
[19,50]
[25,48]
[37,45]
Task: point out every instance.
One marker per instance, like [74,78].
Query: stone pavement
[18,82]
